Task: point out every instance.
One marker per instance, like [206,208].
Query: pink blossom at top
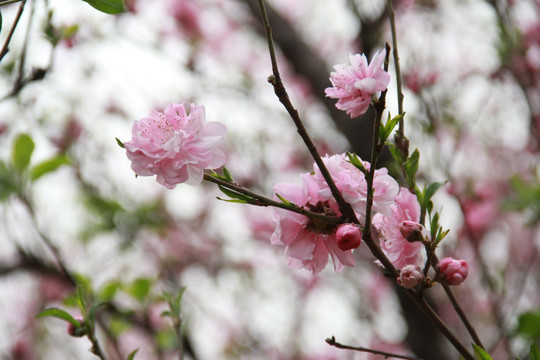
[352,184]
[398,250]
[176,146]
[452,271]
[308,241]
[353,85]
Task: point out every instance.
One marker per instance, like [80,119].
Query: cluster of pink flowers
[175,145]
[310,241]
[354,84]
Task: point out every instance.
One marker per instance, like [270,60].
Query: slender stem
[463,316]
[5,47]
[332,341]
[260,200]
[432,315]
[280,91]
[7,2]
[392,16]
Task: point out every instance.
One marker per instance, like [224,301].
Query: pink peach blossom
[176,146]
[398,250]
[452,271]
[353,85]
[308,242]
[352,184]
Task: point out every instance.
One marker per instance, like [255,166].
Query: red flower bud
[348,236]
[452,271]
[411,231]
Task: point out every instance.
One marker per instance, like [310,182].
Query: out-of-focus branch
[332,341]
[5,47]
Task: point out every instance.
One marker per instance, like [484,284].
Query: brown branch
[332,341]
[5,47]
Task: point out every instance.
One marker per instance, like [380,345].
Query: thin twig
[264,201]
[280,91]
[5,47]
[332,341]
[392,17]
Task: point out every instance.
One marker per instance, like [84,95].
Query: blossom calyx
[348,236]
[77,331]
[410,276]
[411,231]
[452,271]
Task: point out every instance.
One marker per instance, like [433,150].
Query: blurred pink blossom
[398,250]
[176,146]
[187,14]
[354,84]
[410,276]
[352,184]
[308,241]
[452,271]
[349,236]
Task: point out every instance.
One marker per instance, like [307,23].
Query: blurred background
[74,79]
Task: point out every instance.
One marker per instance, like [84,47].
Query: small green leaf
[227,174]
[411,167]
[140,288]
[234,195]
[131,356]
[534,352]
[108,292]
[107,6]
[529,324]
[48,166]
[285,201]
[8,184]
[120,143]
[22,152]
[432,188]
[480,353]
[233,200]
[386,129]
[353,159]
[59,314]
[396,154]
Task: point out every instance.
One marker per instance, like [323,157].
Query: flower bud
[452,271]
[411,231]
[348,236]
[77,331]
[410,276]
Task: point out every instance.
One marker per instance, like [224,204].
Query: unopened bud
[410,276]
[77,331]
[348,236]
[411,231]
[452,271]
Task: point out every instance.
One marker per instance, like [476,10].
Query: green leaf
[432,188]
[108,292]
[396,154]
[140,288]
[353,159]
[59,314]
[386,129]
[411,167]
[120,143]
[131,356]
[233,200]
[234,195]
[480,353]
[22,152]
[227,174]
[8,184]
[529,324]
[285,201]
[534,352]
[107,6]
[48,166]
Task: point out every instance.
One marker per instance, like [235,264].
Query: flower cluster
[354,85]
[175,145]
[310,241]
